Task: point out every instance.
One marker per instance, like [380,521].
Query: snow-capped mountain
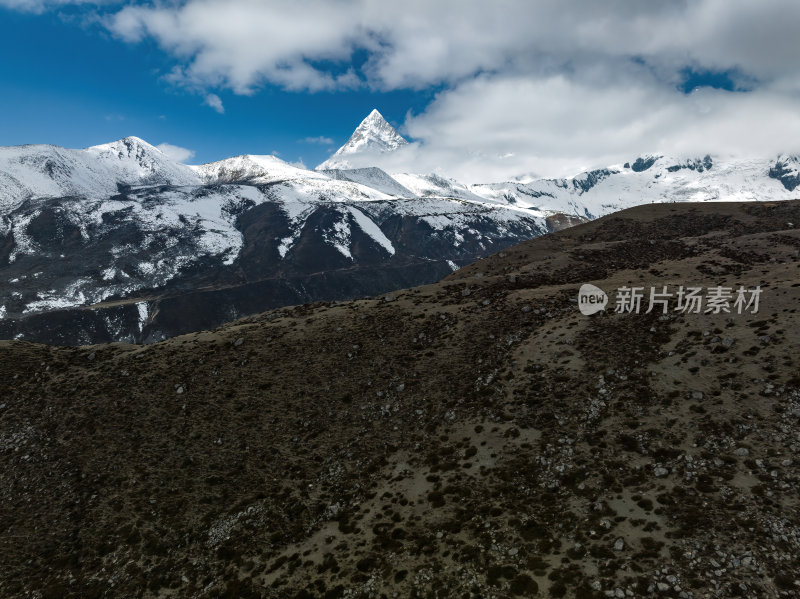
[373,136]
[119,242]
[786,170]
[253,169]
[33,171]
[653,178]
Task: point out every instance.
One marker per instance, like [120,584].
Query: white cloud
[242,44]
[176,153]
[321,140]
[214,101]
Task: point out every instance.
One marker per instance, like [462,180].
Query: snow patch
[339,236]
[144,312]
[370,228]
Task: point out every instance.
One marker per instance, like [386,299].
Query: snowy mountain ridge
[32,171]
[252,169]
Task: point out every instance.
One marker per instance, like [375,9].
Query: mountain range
[120,243]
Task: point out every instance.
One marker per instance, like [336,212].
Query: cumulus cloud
[214,101]
[176,153]
[243,43]
[309,45]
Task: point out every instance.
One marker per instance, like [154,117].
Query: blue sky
[485,90]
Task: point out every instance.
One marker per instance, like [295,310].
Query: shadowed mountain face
[143,266]
[474,437]
[120,243]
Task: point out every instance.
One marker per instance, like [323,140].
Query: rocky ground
[478,437]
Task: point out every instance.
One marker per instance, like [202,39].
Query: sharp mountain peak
[374,135]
